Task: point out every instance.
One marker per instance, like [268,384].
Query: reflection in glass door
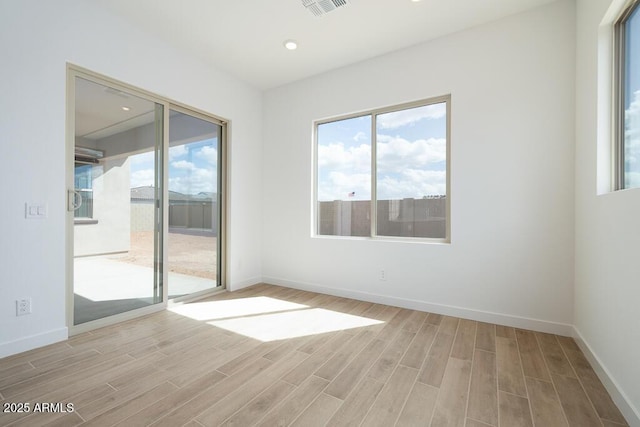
[194,172]
[116,202]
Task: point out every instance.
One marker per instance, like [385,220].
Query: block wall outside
[404,218]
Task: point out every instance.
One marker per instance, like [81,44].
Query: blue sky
[192,167]
[411,155]
[632,104]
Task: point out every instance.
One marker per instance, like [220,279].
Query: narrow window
[628,63]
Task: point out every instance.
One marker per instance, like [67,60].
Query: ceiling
[245,37]
[99,110]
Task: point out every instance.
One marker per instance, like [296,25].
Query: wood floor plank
[119,397]
[419,347]
[554,356]
[342,385]
[43,374]
[174,400]
[475,423]
[419,406]
[447,325]
[486,337]
[387,362]
[132,406]
[604,405]
[360,308]
[393,326]
[344,355]
[35,354]
[415,321]
[69,420]
[505,332]
[354,409]
[36,387]
[251,413]
[319,412]
[464,341]
[545,405]
[241,396]
[510,377]
[389,403]
[452,399]
[247,357]
[533,362]
[575,403]
[514,410]
[436,319]
[297,402]
[201,402]
[483,392]
[308,366]
[436,361]
[315,342]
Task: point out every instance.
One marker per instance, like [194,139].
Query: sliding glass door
[145,202]
[195,191]
[116,201]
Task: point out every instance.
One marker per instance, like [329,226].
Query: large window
[385,173]
[628,111]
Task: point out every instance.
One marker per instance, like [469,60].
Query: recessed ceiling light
[125,108]
[291,44]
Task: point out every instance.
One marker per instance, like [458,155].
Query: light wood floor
[412,369]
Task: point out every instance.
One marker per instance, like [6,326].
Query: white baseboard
[478,315]
[33,341]
[630,412]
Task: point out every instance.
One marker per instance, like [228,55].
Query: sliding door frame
[73,72]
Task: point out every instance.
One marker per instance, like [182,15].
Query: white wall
[511,256]
[37,38]
[607,275]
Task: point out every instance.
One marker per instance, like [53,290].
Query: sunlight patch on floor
[292,324]
[223,309]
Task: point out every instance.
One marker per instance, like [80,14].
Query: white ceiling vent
[320,7]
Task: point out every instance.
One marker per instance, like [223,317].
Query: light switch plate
[35,210]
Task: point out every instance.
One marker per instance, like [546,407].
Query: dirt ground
[190,252]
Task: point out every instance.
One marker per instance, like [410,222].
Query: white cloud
[336,157]
[632,143]
[360,136]
[177,151]
[339,185]
[410,116]
[398,154]
[197,181]
[142,158]
[183,164]
[208,154]
[412,184]
[143,177]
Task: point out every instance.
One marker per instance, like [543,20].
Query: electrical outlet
[23,306]
[383,275]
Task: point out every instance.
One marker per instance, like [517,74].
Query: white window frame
[315,224]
